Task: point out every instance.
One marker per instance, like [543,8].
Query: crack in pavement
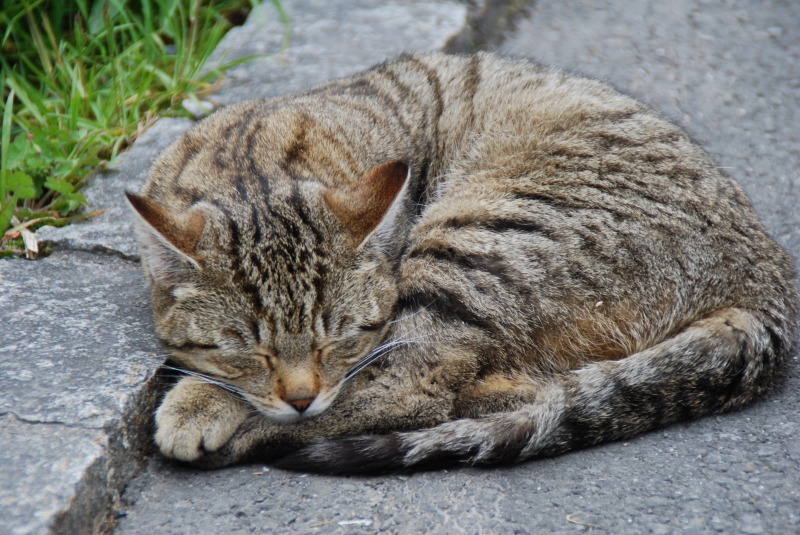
[31,421]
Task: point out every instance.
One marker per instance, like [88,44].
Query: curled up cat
[448,259]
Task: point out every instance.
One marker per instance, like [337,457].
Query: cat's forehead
[278,258]
[283,218]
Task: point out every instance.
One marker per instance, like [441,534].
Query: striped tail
[715,364]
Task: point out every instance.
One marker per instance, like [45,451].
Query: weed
[80,80]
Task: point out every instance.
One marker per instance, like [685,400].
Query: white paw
[196,417]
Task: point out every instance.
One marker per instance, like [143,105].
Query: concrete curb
[77,388]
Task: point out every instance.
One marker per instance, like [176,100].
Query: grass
[80,80]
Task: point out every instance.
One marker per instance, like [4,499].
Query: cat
[450,259]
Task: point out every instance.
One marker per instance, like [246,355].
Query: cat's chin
[319,406]
[288,415]
[322,402]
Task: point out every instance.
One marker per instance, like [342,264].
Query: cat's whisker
[167,376]
[375,354]
[366,361]
[383,347]
[403,318]
[207,379]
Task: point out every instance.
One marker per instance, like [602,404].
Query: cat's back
[565,197]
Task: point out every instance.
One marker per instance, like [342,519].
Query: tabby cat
[451,259]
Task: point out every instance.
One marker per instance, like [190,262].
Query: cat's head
[277,297]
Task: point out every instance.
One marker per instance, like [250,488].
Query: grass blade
[5,142]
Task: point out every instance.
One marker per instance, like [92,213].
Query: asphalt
[727,71]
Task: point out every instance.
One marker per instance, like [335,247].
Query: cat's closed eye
[191,346]
[369,327]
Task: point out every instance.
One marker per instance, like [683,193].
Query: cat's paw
[196,418]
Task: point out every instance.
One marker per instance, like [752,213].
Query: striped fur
[451,259]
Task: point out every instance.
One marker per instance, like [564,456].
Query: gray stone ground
[76,379]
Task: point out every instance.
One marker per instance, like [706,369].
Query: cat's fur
[541,262]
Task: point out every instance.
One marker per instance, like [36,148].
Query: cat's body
[545,263]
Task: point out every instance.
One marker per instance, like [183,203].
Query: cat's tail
[715,364]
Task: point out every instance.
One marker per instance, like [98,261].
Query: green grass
[80,80]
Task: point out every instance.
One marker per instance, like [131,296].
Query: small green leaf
[59,185]
[17,151]
[42,145]
[26,192]
[18,179]
[69,202]
[77,198]
[21,184]
[65,207]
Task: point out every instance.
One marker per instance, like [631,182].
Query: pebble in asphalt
[729,72]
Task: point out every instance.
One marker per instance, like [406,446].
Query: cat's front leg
[195,418]
[399,398]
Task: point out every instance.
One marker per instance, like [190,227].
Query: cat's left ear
[167,241]
[373,203]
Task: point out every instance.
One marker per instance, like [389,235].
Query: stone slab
[78,338]
[77,361]
[113,230]
[329,39]
[700,63]
[40,467]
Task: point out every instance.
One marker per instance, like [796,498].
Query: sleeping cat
[451,259]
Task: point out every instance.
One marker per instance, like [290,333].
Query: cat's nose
[300,404]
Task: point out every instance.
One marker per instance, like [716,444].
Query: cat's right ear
[372,204]
[167,241]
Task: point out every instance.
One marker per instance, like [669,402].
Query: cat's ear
[167,241]
[372,202]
